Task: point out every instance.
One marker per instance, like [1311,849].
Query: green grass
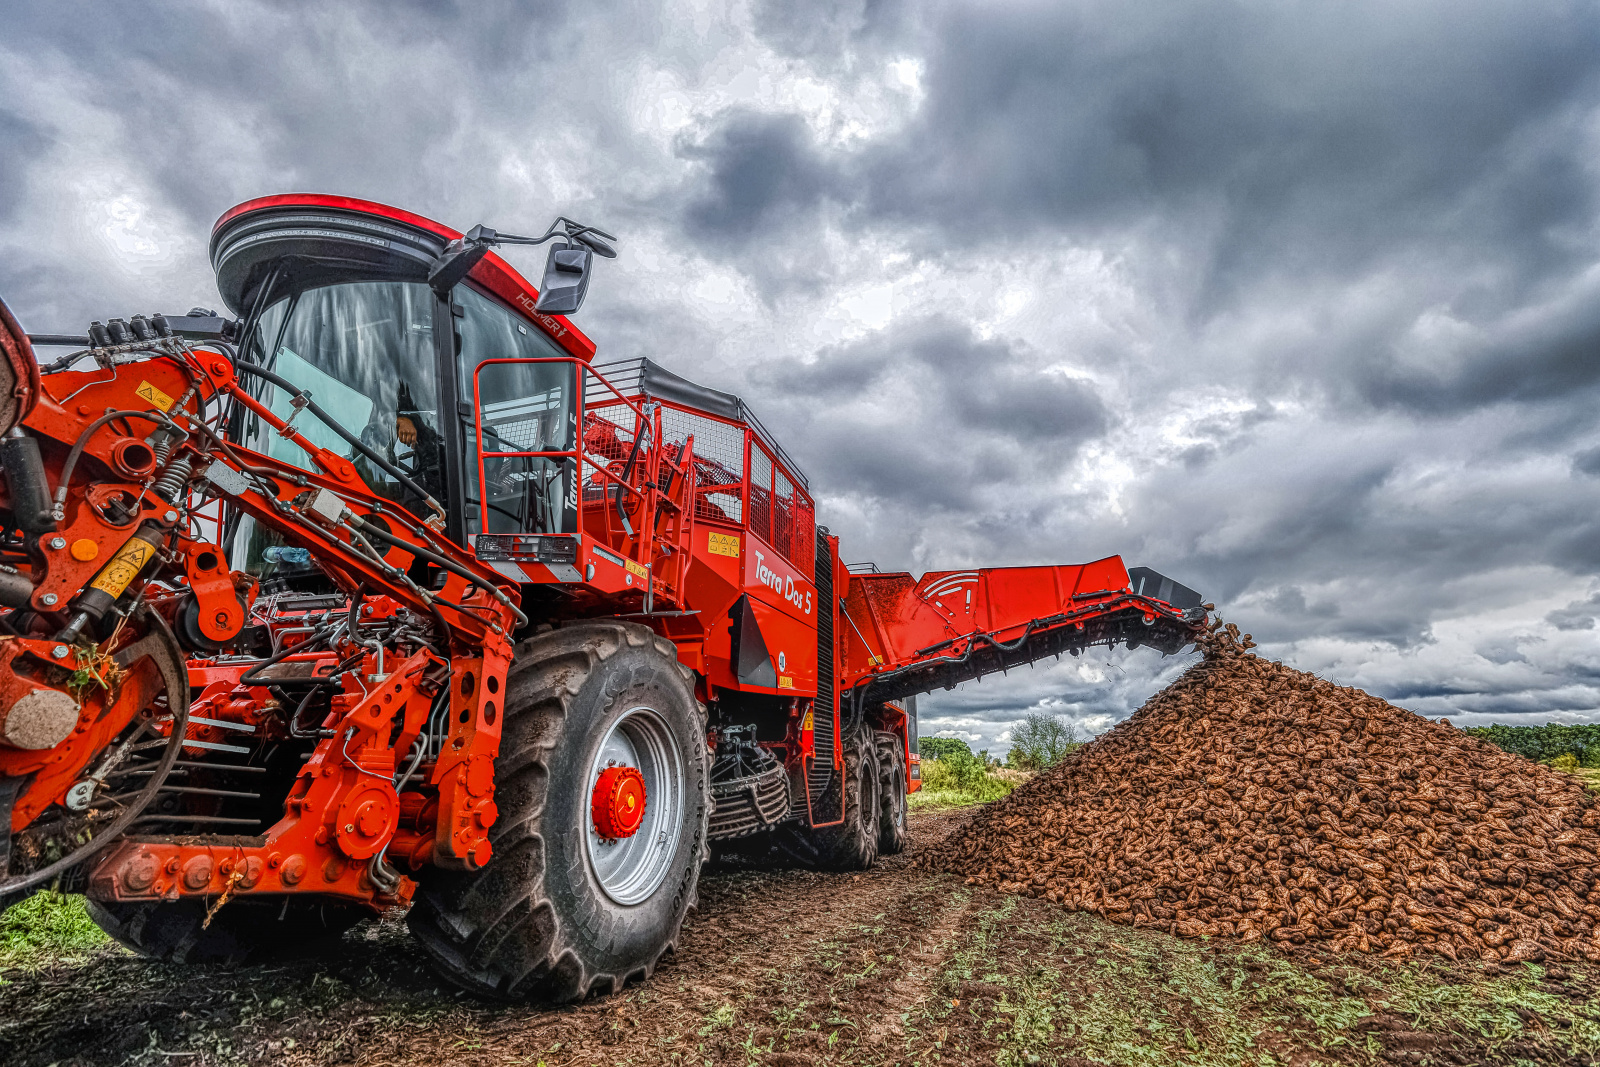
[1043,988]
[944,786]
[46,928]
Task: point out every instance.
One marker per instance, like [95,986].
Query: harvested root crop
[1251,800]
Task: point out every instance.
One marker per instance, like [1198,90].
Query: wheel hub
[618,802]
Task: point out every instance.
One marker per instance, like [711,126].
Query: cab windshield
[365,353]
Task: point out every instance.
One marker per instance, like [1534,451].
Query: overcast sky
[1298,303]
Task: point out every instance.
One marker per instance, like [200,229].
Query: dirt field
[792,967]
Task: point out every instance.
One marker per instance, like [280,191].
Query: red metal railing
[632,497]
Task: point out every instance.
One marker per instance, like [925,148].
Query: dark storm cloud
[928,413]
[826,28]
[764,175]
[1578,615]
[1344,384]
[1550,355]
[1587,462]
[1357,124]
[1315,142]
[20,143]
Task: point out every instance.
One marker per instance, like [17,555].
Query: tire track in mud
[778,964]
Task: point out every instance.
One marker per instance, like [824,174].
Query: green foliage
[958,778]
[938,747]
[1041,741]
[1564,762]
[1545,743]
[45,927]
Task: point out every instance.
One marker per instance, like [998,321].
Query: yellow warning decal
[123,568]
[785,682]
[805,723]
[155,396]
[723,545]
[633,568]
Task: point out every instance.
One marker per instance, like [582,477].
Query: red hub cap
[618,802]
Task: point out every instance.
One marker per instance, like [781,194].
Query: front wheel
[601,787]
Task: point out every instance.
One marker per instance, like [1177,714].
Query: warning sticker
[123,568]
[805,724]
[155,396]
[724,545]
[785,682]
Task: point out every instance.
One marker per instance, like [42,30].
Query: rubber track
[467,919]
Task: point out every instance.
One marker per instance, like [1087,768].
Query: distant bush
[1545,743]
[937,747]
[959,777]
[1041,741]
[1564,762]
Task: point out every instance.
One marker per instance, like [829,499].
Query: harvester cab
[387,593]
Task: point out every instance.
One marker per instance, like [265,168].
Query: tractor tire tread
[852,845]
[495,931]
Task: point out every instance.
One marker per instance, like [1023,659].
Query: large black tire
[536,923]
[892,817]
[241,929]
[850,845]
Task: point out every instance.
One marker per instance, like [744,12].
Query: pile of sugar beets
[1250,800]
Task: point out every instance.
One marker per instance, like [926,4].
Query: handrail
[642,464]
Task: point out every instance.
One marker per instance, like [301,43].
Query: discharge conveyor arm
[901,635]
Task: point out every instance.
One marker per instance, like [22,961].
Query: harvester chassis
[258,683]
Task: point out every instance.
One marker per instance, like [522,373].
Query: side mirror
[566,280]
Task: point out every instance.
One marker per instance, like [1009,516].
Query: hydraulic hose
[372,530]
[253,675]
[83,441]
[349,438]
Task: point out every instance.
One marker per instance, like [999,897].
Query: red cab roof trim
[491,272]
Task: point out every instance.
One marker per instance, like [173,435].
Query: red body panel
[897,618]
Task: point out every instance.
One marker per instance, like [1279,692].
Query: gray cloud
[764,176]
[1294,304]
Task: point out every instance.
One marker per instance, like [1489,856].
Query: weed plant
[46,928]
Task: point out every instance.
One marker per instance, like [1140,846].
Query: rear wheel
[240,930]
[892,794]
[585,891]
[851,845]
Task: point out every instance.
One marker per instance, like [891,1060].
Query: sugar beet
[1251,800]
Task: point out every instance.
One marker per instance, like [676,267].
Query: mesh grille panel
[782,516]
[760,493]
[804,520]
[718,462]
[607,438]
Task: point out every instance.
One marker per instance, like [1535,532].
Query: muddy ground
[785,967]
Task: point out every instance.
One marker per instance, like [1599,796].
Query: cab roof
[249,239]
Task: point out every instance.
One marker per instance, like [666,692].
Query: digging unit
[386,592]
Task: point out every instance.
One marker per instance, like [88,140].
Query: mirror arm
[455,263]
